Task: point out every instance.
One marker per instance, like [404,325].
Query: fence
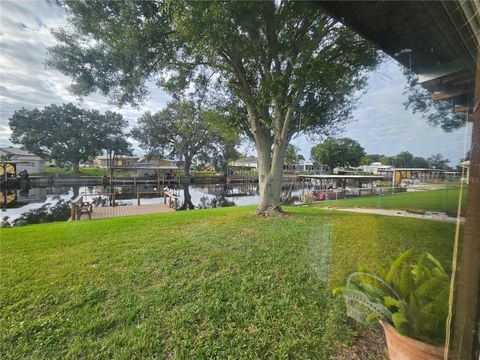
[441,199]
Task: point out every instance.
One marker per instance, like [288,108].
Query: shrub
[412,294]
[46,213]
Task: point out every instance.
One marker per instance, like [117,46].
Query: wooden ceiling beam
[458,78]
[452,92]
[460,108]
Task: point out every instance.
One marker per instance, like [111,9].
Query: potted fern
[410,299]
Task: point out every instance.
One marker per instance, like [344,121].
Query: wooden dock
[127,210]
[84,210]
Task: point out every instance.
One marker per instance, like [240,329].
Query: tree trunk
[270,171]
[76,191]
[76,168]
[187,199]
[188,163]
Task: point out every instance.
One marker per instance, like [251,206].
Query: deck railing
[172,199]
[77,208]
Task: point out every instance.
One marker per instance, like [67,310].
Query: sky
[380,123]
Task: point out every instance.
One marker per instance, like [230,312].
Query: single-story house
[303,166]
[103,161]
[23,160]
[151,167]
[375,168]
[251,163]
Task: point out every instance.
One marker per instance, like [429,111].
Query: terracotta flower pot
[404,348]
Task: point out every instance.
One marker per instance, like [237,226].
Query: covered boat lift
[161,178]
[341,180]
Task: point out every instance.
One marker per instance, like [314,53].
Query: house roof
[20,158]
[418,169]
[105,157]
[244,162]
[10,150]
[247,159]
[144,167]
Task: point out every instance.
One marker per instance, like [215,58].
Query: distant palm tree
[291,154]
[292,157]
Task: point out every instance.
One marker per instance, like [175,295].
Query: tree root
[271,211]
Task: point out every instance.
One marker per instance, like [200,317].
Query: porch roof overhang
[437,40]
[344,177]
[142,167]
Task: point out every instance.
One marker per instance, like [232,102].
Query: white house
[300,166]
[303,166]
[153,167]
[245,163]
[23,160]
[103,161]
[376,168]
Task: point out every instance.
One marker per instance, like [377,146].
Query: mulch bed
[368,344]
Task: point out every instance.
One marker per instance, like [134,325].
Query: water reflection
[191,196]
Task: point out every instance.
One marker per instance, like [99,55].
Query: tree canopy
[68,134]
[185,131]
[403,159]
[344,152]
[437,113]
[437,161]
[288,66]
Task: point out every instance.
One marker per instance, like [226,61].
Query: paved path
[430,215]
[127,210]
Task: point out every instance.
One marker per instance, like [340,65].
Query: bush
[412,294]
[45,214]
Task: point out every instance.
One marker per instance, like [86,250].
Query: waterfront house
[23,159]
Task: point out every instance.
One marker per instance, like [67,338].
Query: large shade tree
[68,134]
[292,68]
[337,152]
[115,142]
[183,130]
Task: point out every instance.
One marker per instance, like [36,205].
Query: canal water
[192,196]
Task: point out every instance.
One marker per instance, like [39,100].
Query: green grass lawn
[216,283]
[432,200]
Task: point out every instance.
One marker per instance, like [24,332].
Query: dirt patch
[368,344]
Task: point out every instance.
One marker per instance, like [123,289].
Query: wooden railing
[79,207]
[172,199]
[169,197]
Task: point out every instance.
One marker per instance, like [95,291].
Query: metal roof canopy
[119,167]
[437,40]
[418,169]
[344,177]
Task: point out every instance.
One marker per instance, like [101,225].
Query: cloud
[381,124]
[26,82]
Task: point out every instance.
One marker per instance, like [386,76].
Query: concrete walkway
[430,215]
